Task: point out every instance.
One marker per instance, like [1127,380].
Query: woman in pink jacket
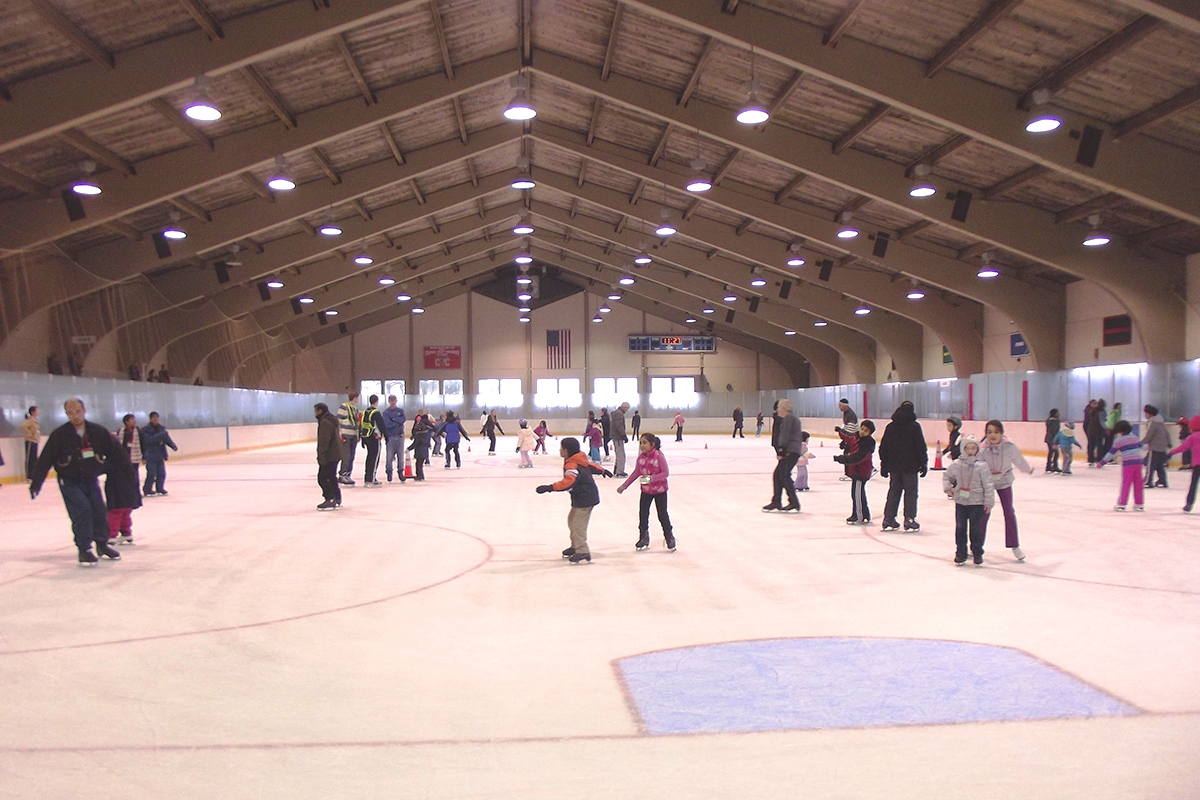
[1192,445]
[651,471]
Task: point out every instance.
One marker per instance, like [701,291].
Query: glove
[840,459]
[517,449]
[923,471]
[607,473]
[545,487]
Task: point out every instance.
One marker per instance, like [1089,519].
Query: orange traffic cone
[408,473]
[937,462]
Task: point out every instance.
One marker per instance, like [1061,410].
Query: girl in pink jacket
[651,471]
[1191,445]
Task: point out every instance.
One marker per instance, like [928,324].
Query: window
[368,388]
[453,388]
[504,392]
[395,387]
[611,392]
[430,391]
[557,393]
[673,393]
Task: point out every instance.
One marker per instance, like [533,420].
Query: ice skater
[651,472]
[1001,455]
[1190,447]
[453,430]
[859,467]
[578,479]
[526,440]
[541,431]
[1133,460]
[801,479]
[1065,441]
[968,482]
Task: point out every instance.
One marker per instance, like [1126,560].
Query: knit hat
[850,428]
[1194,423]
[969,439]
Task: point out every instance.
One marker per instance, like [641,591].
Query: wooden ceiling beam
[661,147]
[326,166]
[125,229]
[355,70]
[873,118]
[745,225]
[526,31]
[942,151]
[1156,114]
[397,153]
[1085,210]
[204,18]
[637,193]
[268,95]
[792,185]
[723,171]
[853,206]
[257,186]
[843,22]
[612,41]
[471,173]
[913,229]
[83,142]
[701,63]
[443,45]
[977,249]
[458,117]
[1013,182]
[690,210]
[307,226]
[991,15]
[193,210]
[582,176]
[787,91]
[362,210]
[597,106]
[61,23]
[173,116]
[416,190]
[19,181]
[1161,232]
[1111,47]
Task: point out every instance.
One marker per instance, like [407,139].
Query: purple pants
[1131,477]
[1010,518]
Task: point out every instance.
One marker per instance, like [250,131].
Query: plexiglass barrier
[179,405]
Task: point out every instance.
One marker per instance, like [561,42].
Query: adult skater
[606,429]
[32,431]
[393,434]
[155,441]
[903,458]
[848,414]
[619,439]
[636,424]
[678,426]
[348,417]
[490,426]
[453,430]
[739,421]
[329,453]
[787,453]
[80,451]
[1158,441]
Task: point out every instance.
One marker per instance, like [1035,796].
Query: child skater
[954,427]
[651,471]
[525,443]
[122,496]
[968,482]
[758,423]
[577,479]
[595,435]
[1190,447]
[858,467]
[420,443]
[1133,459]
[802,463]
[1001,455]
[1065,440]
[541,431]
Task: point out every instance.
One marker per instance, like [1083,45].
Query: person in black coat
[606,429]
[421,431]
[903,457]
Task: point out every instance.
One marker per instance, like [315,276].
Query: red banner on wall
[447,356]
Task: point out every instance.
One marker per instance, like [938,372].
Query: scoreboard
[672,343]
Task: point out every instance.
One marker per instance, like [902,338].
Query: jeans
[394,454]
[782,479]
[1157,469]
[968,524]
[86,508]
[348,445]
[660,505]
[452,447]
[902,483]
[327,480]
[156,476]
[372,447]
[1011,538]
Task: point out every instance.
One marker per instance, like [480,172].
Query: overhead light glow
[524,280]
[796,262]
[730,298]
[417,310]
[758,281]
[523,258]
[862,311]
[789,333]
[1043,122]
[202,111]
[331,312]
[820,324]
[699,184]
[281,183]
[1096,239]
[597,318]
[523,182]
[626,280]
[708,310]
[386,280]
[604,309]
[614,295]
[404,297]
[519,109]
[754,112]
[523,228]
[524,309]
[363,259]
[847,233]
[523,318]
[86,188]
[305,300]
[274,283]
[987,272]
[329,230]
[524,296]
[690,320]
[916,294]
[642,259]
[666,229]
[173,232]
[923,190]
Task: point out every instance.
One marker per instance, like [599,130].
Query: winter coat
[653,464]
[594,436]
[1114,417]
[121,489]
[1052,426]
[490,426]
[578,479]
[1191,444]
[155,441]
[1064,440]
[858,463]
[348,416]
[420,438]
[1000,459]
[1157,438]
[329,439]
[902,448]
[970,474]
[31,430]
[617,426]
[64,452]
[453,432]
[1129,448]
[1093,423]
[526,439]
[953,448]
[739,418]
[393,422]
[606,426]
[678,423]
[791,437]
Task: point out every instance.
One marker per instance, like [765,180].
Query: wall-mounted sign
[443,356]
[673,343]
[83,340]
[1118,330]
[1017,346]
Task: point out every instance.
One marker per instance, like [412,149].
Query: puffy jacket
[578,480]
[790,435]
[1065,439]
[902,448]
[329,439]
[526,439]
[858,461]
[1000,459]
[1052,426]
[653,464]
[155,441]
[971,474]
[393,422]
[453,432]
[1191,444]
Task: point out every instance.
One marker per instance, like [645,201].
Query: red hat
[1194,424]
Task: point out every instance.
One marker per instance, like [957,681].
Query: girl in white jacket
[968,482]
[1002,456]
[526,441]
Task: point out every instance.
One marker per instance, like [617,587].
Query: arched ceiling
[388,117]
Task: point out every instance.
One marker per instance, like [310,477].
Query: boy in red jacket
[858,466]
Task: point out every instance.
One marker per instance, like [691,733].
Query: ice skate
[108,552]
[87,558]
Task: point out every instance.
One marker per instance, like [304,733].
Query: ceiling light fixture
[847,231]
[174,230]
[665,228]
[987,270]
[794,260]
[329,229]
[921,186]
[201,108]
[524,179]
[604,309]
[789,333]
[729,297]
[690,320]
[523,258]
[758,280]
[699,182]
[820,324]
[754,112]
[331,312]
[642,258]
[280,181]
[1041,119]
[305,300]
[614,295]
[86,187]
[523,318]
[519,109]
[524,296]
[626,280]
[386,280]
[1096,237]
[708,310]
[915,294]
[524,309]
[364,260]
[597,318]
[862,311]
[274,283]
[417,308]
[523,227]
[523,278]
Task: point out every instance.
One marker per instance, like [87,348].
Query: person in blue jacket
[452,429]
[393,434]
[155,441]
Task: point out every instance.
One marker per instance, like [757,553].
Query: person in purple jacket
[651,471]
[1191,446]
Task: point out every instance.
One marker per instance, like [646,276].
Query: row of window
[548,392]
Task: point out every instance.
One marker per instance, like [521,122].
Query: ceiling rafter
[1111,47]
[1161,232]
[355,70]
[392,144]
[63,24]
[723,171]
[193,210]
[1075,213]
[983,23]
[268,95]
[326,165]
[606,69]
[526,31]
[443,45]
[843,22]
[597,107]
[81,141]
[977,249]
[1025,176]
[173,116]
[125,229]
[358,205]
[873,118]
[788,90]
[701,63]
[257,186]
[913,230]
[458,117]
[791,187]
[416,190]
[1156,114]
[25,184]
[939,153]
[661,147]
[471,173]
[204,18]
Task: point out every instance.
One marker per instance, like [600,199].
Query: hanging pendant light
[665,228]
[1041,118]
[794,259]
[847,230]
[281,181]
[921,186]
[86,187]
[987,270]
[274,283]
[174,230]
[519,109]
[201,107]
[1096,237]
[523,227]
[754,112]
[386,280]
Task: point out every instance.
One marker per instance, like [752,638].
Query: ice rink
[427,641]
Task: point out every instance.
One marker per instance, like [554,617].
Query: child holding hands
[651,471]
[968,482]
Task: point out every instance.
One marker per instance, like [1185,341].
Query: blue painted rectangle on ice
[791,684]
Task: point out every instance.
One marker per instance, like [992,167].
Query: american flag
[558,349]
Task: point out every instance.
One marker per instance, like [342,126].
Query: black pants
[1052,459]
[420,456]
[452,447]
[679,434]
[660,504]
[737,431]
[492,439]
[607,439]
[327,480]
[1157,468]
[1095,447]
[372,446]
[968,524]
[858,499]
[31,453]
[902,483]
[782,479]
[1192,490]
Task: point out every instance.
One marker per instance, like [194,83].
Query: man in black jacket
[329,453]
[903,457]
[80,451]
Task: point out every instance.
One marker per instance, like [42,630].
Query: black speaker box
[1089,146]
[75,210]
[882,240]
[826,270]
[729,316]
[342,328]
[264,291]
[785,289]
[161,245]
[754,305]
[962,204]
[222,271]
[297,308]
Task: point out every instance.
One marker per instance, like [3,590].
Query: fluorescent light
[305,300]
[795,262]
[202,111]
[862,311]
[922,190]
[523,182]
[847,233]
[916,294]
[987,272]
